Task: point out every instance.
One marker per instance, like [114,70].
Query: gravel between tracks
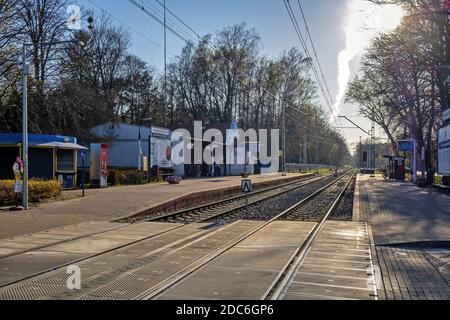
[269,209]
[344,210]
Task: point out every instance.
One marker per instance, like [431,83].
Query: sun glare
[362,22]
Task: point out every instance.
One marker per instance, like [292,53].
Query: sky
[341,30]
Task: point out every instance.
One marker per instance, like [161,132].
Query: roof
[120,131]
[62,145]
[40,140]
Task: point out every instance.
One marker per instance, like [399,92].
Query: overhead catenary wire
[316,55]
[323,87]
[181,21]
[169,21]
[305,49]
[318,61]
[152,15]
[229,61]
[130,27]
[241,72]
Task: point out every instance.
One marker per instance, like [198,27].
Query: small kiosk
[51,157]
[396,168]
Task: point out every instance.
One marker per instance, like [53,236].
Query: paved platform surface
[411,231]
[132,271]
[338,266]
[110,204]
[248,270]
[22,265]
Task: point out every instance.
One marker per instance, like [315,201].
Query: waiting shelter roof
[41,140]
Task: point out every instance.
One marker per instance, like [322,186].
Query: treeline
[220,79]
[400,86]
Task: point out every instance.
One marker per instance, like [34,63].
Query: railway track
[292,265]
[232,209]
[121,273]
[324,259]
[190,215]
[302,211]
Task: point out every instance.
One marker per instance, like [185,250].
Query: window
[65,160]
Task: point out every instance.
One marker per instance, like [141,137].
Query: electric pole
[305,150]
[165,66]
[283,107]
[373,146]
[317,145]
[360,153]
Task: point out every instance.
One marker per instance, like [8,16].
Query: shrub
[38,190]
[125,177]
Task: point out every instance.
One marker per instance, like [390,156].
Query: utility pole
[317,146]
[165,66]
[373,146]
[447,31]
[360,153]
[283,107]
[26,68]
[25,73]
[305,149]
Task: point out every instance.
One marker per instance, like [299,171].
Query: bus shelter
[51,157]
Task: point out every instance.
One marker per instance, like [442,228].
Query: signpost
[246,187]
[83,158]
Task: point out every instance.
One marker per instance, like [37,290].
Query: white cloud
[363,20]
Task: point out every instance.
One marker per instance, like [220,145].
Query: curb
[356,196]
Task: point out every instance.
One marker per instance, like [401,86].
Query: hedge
[38,190]
[118,177]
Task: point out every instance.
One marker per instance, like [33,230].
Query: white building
[129,144]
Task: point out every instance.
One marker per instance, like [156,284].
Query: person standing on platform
[18,172]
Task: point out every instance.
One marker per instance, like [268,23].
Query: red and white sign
[104,159]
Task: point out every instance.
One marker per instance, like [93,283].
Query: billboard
[160,146]
[444,151]
[160,152]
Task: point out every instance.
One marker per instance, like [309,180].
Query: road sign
[406,145]
[246,185]
[410,146]
[446,115]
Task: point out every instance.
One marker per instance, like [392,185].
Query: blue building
[51,157]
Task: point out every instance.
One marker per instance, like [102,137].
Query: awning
[61,145]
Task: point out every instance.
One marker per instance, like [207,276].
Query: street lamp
[26,70]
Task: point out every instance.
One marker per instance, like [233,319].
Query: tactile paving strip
[28,291]
[338,267]
[127,287]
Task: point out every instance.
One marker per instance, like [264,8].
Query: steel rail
[157,290]
[198,210]
[156,218]
[281,284]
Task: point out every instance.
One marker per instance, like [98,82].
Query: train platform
[114,203]
[410,227]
